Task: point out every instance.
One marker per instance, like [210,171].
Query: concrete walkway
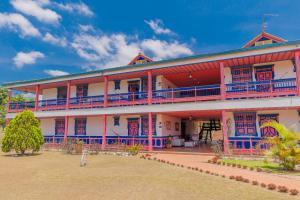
[200,161]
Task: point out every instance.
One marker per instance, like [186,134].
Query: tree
[285,146]
[23,133]
[3,102]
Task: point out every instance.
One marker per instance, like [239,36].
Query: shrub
[219,162]
[233,165]
[271,186]
[200,170]
[239,166]
[245,167]
[182,166]
[294,192]
[228,164]
[263,185]
[134,149]
[254,183]
[23,133]
[285,146]
[239,178]
[223,163]
[207,171]
[223,176]
[251,168]
[259,169]
[245,180]
[283,189]
[231,177]
[209,161]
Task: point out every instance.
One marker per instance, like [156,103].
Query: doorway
[133,89]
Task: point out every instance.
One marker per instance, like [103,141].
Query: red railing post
[150,87]
[150,131]
[104,132]
[105,91]
[222,78]
[225,135]
[37,91]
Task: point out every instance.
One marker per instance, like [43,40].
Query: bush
[23,133]
[254,183]
[239,178]
[259,169]
[231,177]
[245,167]
[271,186]
[263,185]
[283,189]
[251,168]
[134,149]
[294,192]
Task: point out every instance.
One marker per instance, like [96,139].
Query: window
[116,120]
[62,92]
[82,90]
[80,126]
[59,126]
[268,131]
[265,72]
[117,84]
[245,124]
[259,43]
[241,74]
[145,125]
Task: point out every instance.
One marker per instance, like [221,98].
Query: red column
[225,135]
[104,132]
[150,87]
[66,128]
[150,131]
[297,63]
[105,91]
[222,78]
[37,93]
[68,94]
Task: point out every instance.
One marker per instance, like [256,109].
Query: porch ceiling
[204,115]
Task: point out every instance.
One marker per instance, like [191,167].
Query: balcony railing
[116,141]
[280,87]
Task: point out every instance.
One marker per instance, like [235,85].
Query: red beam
[225,135]
[37,91]
[297,63]
[222,78]
[66,128]
[150,87]
[105,91]
[150,132]
[104,132]
[68,94]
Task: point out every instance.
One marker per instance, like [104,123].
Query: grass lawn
[270,166]
[53,175]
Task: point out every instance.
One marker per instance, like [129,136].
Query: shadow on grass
[21,155]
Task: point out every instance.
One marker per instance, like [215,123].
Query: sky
[44,38]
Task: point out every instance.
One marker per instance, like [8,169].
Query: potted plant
[169,142]
[79,146]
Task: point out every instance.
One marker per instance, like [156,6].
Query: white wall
[48,126]
[289,118]
[162,125]
[49,93]
[163,83]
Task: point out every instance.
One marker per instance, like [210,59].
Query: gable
[140,59]
[264,38]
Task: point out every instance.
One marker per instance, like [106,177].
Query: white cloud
[55,72]
[80,8]
[157,26]
[163,49]
[86,28]
[119,49]
[18,22]
[23,58]
[36,8]
[55,40]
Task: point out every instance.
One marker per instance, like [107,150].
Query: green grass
[267,166]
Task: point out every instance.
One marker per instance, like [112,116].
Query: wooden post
[104,132]
[222,78]
[150,131]
[297,63]
[105,91]
[225,131]
[150,87]
[66,128]
[68,94]
[37,93]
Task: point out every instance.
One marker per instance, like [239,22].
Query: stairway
[207,128]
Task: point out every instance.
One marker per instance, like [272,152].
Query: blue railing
[21,105]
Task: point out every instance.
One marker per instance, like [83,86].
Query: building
[149,102]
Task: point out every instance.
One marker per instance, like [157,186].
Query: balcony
[258,89]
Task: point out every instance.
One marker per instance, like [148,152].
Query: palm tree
[284,147]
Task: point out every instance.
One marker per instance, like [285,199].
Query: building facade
[185,99]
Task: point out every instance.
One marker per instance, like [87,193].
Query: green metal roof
[7,84]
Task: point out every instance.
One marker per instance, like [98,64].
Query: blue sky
[41,38]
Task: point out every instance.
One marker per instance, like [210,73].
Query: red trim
[37,90]
[150,148]
[297,63]
[225,135]
[66,128]
[135,59]
[222,78]
[104,132]
[68,94]
[149,87]
[105,91]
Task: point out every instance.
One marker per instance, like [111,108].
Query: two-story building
[186,99]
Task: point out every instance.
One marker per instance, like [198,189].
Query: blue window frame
[116,120]
[59,126]
[245,124]
[117,84]
[145,125]
[241,74]
[80,126]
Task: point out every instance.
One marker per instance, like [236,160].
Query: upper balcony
[255,89]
